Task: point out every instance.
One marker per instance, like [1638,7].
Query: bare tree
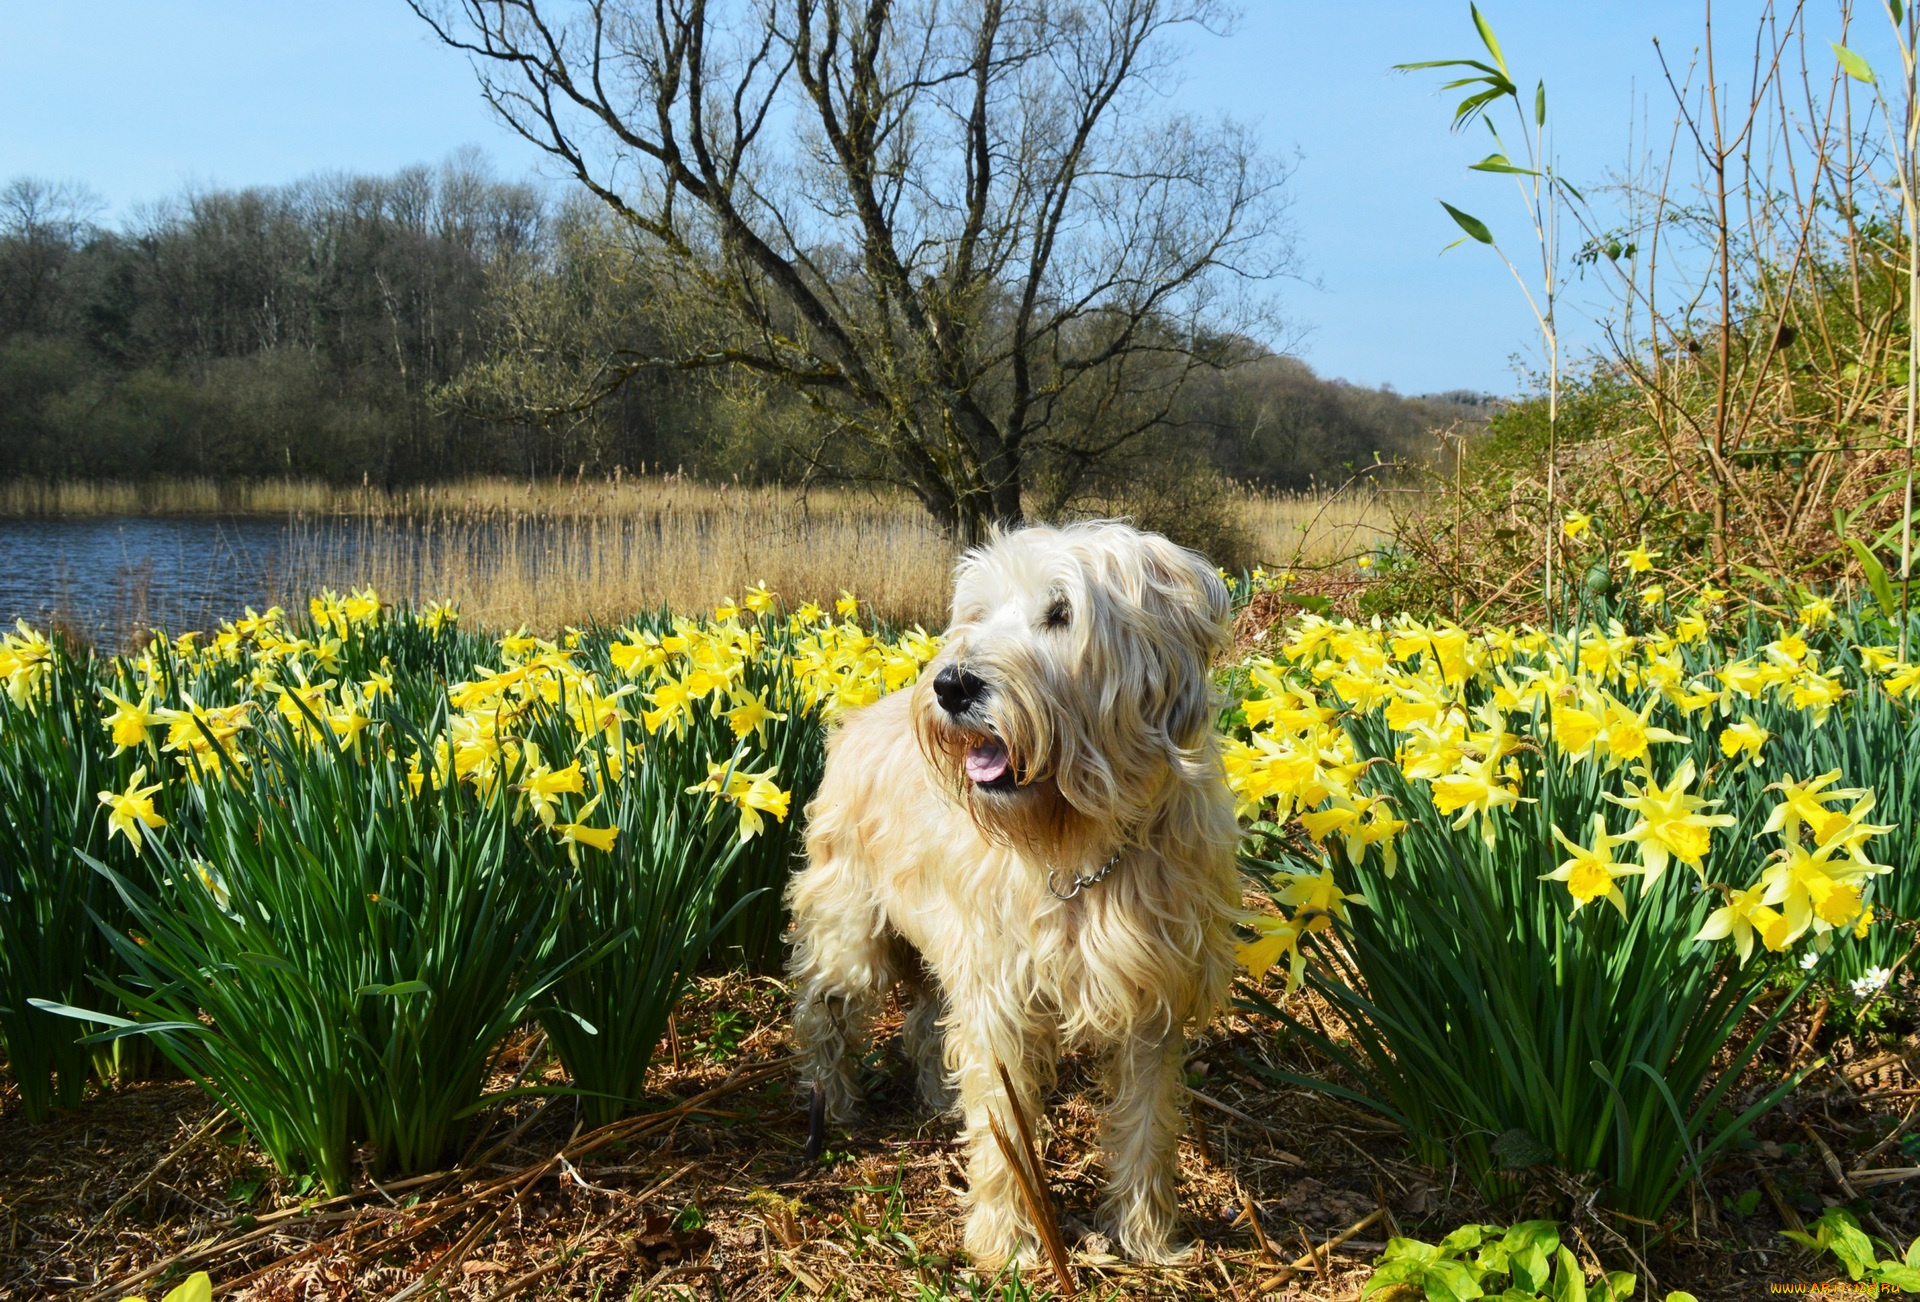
[41,224]
[959,229]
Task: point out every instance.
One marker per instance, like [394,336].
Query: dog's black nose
[956,689]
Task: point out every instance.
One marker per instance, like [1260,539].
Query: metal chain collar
[1081,883]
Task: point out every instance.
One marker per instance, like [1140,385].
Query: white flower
[1809,961]
[1871,984]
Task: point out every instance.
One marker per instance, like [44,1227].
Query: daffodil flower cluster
[187,704]
[1663,722]
[1815,882]
[26,660]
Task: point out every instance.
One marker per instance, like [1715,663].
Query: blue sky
[139,98]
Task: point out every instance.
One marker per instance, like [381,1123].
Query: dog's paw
[1161,1252]
[1149,1243]
[995,1239]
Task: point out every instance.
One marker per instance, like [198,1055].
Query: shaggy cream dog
[1037,842]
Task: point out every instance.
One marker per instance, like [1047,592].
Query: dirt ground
[705,1197]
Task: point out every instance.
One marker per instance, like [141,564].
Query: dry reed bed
[547,560]
[548,553]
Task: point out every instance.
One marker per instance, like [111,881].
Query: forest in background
[441,321]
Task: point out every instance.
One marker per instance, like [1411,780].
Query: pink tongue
[986,762]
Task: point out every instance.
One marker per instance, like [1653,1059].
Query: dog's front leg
[832,1026]
[1140,1136]
[979,1041]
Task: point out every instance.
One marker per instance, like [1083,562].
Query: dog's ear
[1190,607]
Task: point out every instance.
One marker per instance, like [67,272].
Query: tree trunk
[1004,472]
[973,517]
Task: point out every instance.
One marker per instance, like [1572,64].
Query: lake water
[110,577]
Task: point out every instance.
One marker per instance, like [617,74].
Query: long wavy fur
[1093,644]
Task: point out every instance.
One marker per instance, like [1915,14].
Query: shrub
[1466,808]
[648,909]
[56,758]
[349,871]
[334,956]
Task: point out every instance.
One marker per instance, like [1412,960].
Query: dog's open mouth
[989,767]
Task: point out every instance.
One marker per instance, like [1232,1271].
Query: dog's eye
[1059,614]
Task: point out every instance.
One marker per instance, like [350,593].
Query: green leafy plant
[54,759]
[1499,1030]
[1488,84]
[656,893]
[197,1288]
[1527,1260]
[1506,1030]
[1838,1233]
[1518,1264]
[333,960]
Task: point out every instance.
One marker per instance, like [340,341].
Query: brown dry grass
[67,497]
[716,1205]
[1308,531]
[547,553]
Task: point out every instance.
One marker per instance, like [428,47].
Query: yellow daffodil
[1815,891]
[1806,802]
[1901,680]
[197,1288]
[543,787]
[1360,821]
[751,793]
[348,722]
[26,662]
[1817,694]
[578,833]
[1878,659]
[1477,787]
[1592,873]
[215,883]
[750,715]
[640,652]
[132,809]
[1575,524]
[1574,731]
[1627,735]
[1640,560]
[1671,825]
[1316,899]
[129,723]
[1744,738]
[1275,938]
[1744,916]
[362,607]
[673,707]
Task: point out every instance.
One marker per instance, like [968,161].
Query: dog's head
[1073,685]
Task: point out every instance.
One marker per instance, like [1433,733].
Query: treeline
[441,322]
